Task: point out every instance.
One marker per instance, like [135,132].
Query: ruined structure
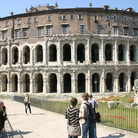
[51,50]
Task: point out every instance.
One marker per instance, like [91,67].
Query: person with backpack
[87,117]
[94,104]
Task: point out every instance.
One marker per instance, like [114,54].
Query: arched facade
[74,53]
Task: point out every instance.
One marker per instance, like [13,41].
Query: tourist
[3,117]
[27,103]
[94,104]
[72,114]
[87,128]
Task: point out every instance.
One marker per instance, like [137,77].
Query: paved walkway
[45,124]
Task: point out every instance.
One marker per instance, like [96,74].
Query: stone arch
[81,83]
[67,83]
[14,83]
[122,82]
[26,83]
[95,53]
[121,53]
[95,82]
[39,53]
[15,55]
[109,82]
[133,53]
[39,83]
[108,52]
[81,52]
[52,53]
[66,52]
[26,54]
[4,82]
[4,56]
[53,83]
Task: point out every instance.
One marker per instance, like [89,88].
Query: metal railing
[123,118]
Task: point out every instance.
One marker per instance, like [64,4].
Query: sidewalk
[45,124]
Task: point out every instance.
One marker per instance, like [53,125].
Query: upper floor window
[125,30]
[82,29]
[135,32]
[115,30]
[25,32]
[80,16]
[107,17]
[19,21]
[65,29]
[49,30]
[29,20]
[40,31]
[49,18]
[7,23]
[64,17]
[99,29]
[133,19]
[35,20]
[95,17]
[124,18]
[114,17]
[4,35]
[17,33]
[71,17]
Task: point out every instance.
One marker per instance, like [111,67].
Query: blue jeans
[89,129]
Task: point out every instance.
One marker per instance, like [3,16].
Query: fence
[123,118]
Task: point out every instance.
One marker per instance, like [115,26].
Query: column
[59,83]
[31,83]
[102,82]
[128,53]
[102,53]
[116,83]
[89,82]
[74,57]
[45,84]
[128,81]
[73,82]
[20,83]
[59,54]
[88,52]
[116,53]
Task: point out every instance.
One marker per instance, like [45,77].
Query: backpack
[90,115]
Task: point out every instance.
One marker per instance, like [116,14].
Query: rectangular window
[107,17]
[135,32]
[80,16]
[29,20]
[19,21]
[82,29]
[99,29]
[25,32]
[95,18]
[4,35]
[64,17]
[125,30]
[7,23]
[49,18]
[134,20]
[17,33]
[40,31]
[64,29]
[35,20]
[124,18]
[49,30]
[71,17]
[114,17]
[115,30]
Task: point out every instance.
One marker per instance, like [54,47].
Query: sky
[19,6]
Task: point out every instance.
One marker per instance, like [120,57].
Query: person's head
[73,102]
[27,95]
[90,96]
[85,96]
[1,103]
